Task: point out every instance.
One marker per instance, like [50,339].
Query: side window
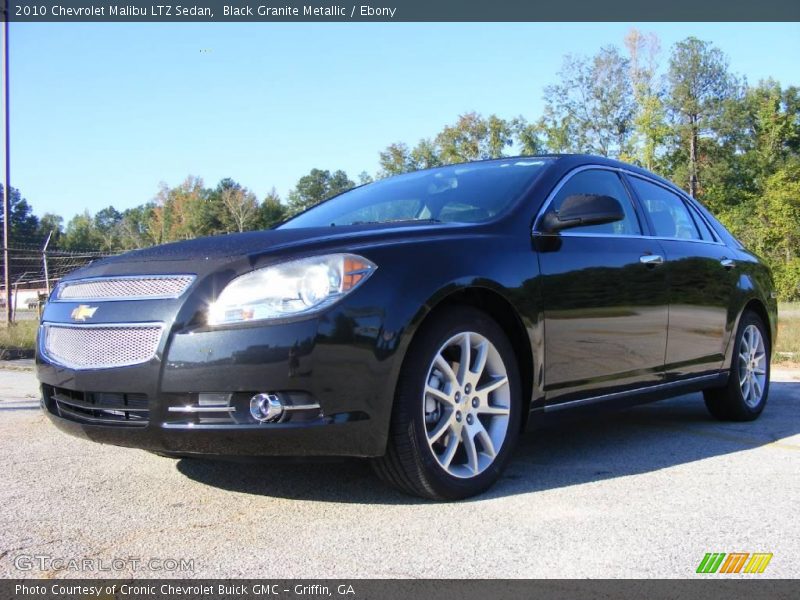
[705,231]
[601,183]
[668,213]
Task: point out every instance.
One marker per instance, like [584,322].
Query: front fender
[410,285]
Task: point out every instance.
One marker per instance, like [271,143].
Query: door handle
[728,263]
[651,260]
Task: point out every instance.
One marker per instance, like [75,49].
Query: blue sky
[101,113]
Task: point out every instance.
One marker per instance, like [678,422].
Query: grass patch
[19,336]
[787,347]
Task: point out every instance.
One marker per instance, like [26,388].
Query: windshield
[467,193]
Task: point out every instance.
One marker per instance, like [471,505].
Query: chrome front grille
[145,287]
[100,346]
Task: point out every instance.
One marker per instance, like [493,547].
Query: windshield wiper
[391,221]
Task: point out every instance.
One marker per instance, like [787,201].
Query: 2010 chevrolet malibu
[422,321]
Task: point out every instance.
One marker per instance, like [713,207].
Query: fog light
[266,408]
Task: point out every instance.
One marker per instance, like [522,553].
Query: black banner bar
[399,10]
[711,587]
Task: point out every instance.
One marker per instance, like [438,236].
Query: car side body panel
[605,314]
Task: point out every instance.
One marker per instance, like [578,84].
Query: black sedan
[422,321]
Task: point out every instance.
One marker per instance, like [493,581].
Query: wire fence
[35,270]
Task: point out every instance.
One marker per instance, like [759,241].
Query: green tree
[135,227]
[23,224]
[771,130]
[183,212]
[53,225]
[317,186]
[240,208]
[272,211]
[778,218]
[528,136]
[395,159]
[425,155]
[499,136]
[699,85]
[650,124]
[592,108]
[106,222]
[82,234]
[215,217]
[558,131]
[473,138]
[753,138]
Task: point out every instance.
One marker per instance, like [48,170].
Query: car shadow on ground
[616,444]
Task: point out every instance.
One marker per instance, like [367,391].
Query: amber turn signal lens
[353,272]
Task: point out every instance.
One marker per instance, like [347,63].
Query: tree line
[683,114]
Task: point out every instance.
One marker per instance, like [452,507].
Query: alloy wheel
[752,366]
[466,404]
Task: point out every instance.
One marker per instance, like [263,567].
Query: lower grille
[100,346]
[99,408]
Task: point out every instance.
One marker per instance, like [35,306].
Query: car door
[604,296]
[702,276]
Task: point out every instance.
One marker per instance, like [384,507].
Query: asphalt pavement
[641,493]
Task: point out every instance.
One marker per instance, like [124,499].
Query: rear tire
[745,395]
[453,427]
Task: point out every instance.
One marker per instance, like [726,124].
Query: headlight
[297,287]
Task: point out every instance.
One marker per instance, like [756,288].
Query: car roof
[569,161]
[576,160]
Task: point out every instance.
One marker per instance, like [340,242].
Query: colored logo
[735,562]
[83,312]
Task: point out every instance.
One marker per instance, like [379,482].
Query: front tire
[457,409]
[745,396]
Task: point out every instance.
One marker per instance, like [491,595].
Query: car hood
[208,253]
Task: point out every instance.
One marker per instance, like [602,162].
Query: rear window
[668,214]
[705,231]
[725,235]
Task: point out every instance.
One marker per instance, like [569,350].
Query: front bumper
[315,361]
[338,438]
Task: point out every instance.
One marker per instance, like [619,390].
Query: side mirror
[583,209]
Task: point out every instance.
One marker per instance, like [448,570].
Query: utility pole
[44,261]
[7,181]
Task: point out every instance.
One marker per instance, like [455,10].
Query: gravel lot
[641,493]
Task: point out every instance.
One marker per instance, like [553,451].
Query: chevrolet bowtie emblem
[83,312]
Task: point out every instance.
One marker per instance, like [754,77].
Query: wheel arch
[757,306]
[503,312]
